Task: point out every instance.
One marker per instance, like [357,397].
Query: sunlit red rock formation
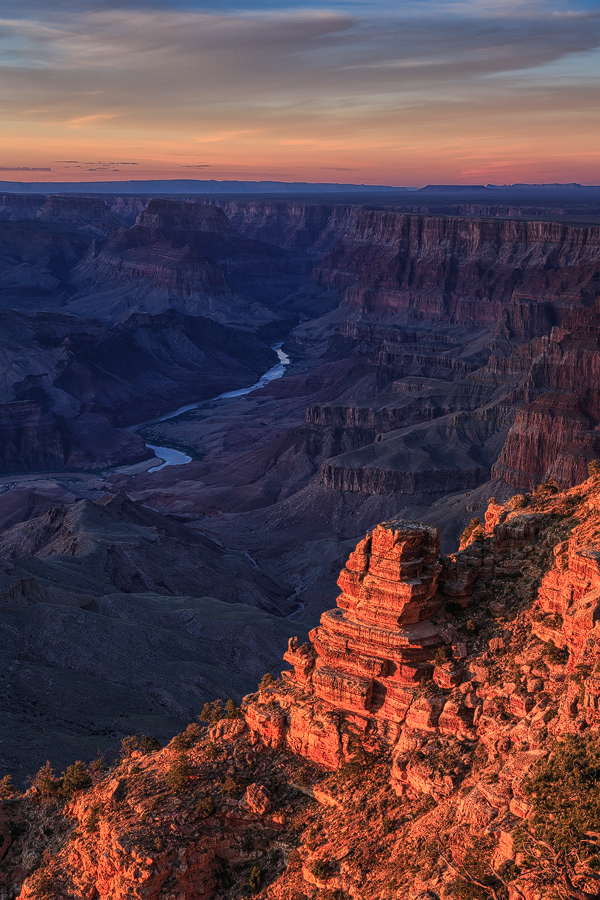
[368,655]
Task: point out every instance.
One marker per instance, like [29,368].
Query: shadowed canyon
[428,360]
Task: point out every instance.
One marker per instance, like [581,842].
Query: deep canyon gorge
[441,358]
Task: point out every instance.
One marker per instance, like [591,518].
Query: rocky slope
[118,619]
[421,746]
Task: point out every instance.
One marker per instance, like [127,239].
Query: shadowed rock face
[188,256]
[466,271]
[121,620]
[441,338]
[68,385]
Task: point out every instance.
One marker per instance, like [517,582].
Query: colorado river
[172,457]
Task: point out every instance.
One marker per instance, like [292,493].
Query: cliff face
[396,757]
[188,256]
[460,270]
[312,227]
[555,432]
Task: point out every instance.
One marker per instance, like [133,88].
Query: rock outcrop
[399,753]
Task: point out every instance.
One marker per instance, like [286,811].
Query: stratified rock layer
[368,655]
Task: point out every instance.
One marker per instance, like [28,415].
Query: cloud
[200,166]
[25,169]
[93,119]
[263,84]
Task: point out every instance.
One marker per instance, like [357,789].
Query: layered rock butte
[393,758]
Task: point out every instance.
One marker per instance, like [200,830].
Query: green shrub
[45,782]
[232,711]
[144,744]
[518,501]
[129,745]
[149,744]
[266,681]
[442,656]
[255,879]
[212,712]
[554,654]
[7,788]
[93,819]
[302,778]
[230,785]
[186,739]
[321,869]
[74,779]
[206,807]
[42,884]
[178,776]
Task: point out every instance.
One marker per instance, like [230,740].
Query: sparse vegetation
[442,655]
[93,819]
[212,712]
[178,776]
[144,744]
[230,785]
[321,869]
[7,788]
[562,840]
[555,655]
[186,739]
[74,779]
[45,781]
[266,681]
[519,501]
[231,710]
[206,807]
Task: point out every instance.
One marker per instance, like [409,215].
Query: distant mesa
[190,185]
[454,188]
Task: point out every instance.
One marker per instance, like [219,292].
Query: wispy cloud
[93,119]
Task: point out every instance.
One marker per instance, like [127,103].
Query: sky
[401,93]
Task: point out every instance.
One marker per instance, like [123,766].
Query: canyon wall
[461,270]
[188,256]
